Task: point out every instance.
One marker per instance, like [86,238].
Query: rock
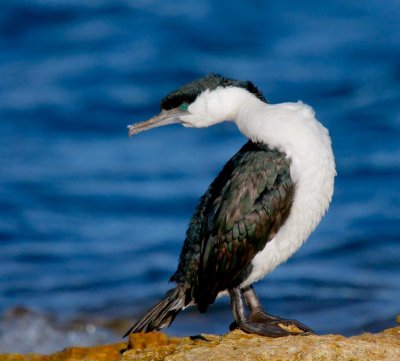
[236,345]
[240,346]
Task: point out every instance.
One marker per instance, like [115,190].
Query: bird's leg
[241,318]
[258,314]
[258,321]
[251,299]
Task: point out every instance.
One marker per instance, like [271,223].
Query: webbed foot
[261,323]
[258,321]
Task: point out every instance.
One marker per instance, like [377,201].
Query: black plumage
[189,92]
[241,211]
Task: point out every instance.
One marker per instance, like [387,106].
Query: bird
[258,211]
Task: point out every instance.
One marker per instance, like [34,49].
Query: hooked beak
[164,118]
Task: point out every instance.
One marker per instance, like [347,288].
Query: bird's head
[201,103]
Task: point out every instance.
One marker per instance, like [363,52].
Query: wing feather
[241,211]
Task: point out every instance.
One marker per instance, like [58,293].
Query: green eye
[184,106]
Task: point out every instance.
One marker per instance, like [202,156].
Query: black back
[189,92]
[241,211]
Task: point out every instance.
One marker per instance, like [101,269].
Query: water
[91,222]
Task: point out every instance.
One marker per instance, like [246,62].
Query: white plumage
[293,129]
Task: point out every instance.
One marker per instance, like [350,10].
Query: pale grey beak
[164,118]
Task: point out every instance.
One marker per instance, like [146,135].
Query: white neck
[293,129]
[289,127]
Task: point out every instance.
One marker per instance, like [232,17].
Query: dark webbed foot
[263,324]
[258,321]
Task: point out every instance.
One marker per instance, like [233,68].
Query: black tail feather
[161,314]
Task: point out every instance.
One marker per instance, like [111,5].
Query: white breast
[293,129]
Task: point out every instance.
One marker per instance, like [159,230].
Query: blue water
[91,222]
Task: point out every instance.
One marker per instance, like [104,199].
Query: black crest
[189,92]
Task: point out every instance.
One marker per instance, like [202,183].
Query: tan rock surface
[236,346]
[240,346]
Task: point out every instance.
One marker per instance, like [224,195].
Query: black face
[189,92]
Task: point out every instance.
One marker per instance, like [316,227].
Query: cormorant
[258,211]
